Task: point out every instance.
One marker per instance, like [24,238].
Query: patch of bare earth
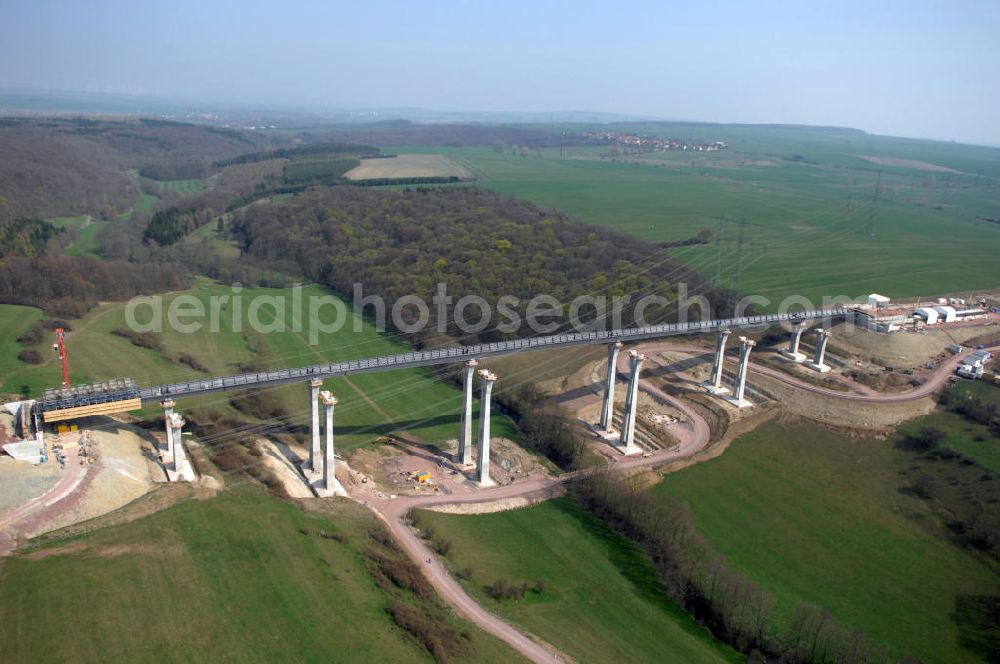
[125,470]
[160,498]
[108,551]
[909,163]
[501,505]
[903,349]
[278,458]
[408,166]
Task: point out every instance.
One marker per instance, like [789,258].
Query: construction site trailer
[946,314]
[876,300]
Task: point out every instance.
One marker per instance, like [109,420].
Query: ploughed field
[408,166]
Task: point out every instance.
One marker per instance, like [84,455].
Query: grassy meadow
[411,400]
[183,187]
[238,578]
[88,233]
[808,197]
[817,517]
[971,440]
[601,600]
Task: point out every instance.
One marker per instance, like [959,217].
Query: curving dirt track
[862,393]
[30,514]
[694,436]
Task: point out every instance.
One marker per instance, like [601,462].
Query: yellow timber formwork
[88,411]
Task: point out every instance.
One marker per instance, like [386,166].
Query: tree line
[324,147]
[698,578]
[70,286]
[25,237]
[69,166]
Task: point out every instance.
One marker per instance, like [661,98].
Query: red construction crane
[60,347]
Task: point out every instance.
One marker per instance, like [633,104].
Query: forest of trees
[70,286]
[25,237]
[397,243]
[323,147]
[71,166]
[170,225]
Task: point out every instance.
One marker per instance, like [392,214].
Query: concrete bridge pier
[822,338]
[487,379]
[608,407]
[182,470]
[168,413]
[314,467]
[714,384]
[464,455]
[792,353]
[740,384]
[627,441]
[331,487]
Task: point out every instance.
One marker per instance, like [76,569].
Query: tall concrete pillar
[792,353]
[168,413]
[627,441]
[486,378]
[177,425]
[793,346]
[822,338]
[329,463]
[465,432]
[608,408]
[715,382]
[740,384]
[315,454]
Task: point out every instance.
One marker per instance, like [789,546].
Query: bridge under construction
[123,395]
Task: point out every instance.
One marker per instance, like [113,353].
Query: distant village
[652,143]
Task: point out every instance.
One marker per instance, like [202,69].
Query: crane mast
[60,347]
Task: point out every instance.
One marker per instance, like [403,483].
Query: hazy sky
[913,68]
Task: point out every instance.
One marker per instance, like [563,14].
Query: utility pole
[718,251]
[739,262]
[871,212]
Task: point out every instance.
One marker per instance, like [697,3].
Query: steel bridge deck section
[449,355]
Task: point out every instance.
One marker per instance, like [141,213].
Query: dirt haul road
[27,516]
[694,436]
[861,393]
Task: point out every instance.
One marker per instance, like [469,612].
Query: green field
[319,170]
[809,217]
[972,440]
[601,600]
[979,389]
[231,579]
[183,187]
[816,517]
[89,231]
[370,404]
[146,203]
[208,234]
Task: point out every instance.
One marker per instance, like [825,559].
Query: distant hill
[69,166]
